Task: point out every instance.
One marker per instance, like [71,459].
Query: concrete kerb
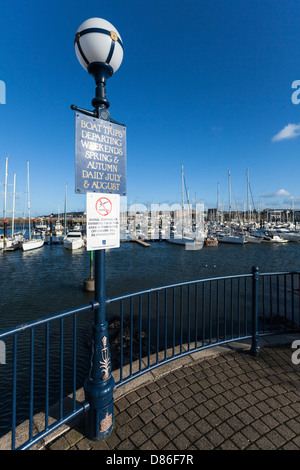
[147,377]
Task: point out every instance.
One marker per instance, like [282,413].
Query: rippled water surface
[49,280]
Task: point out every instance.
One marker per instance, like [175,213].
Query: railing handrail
[277,273]
[196,281]
[171,286]
[50,318]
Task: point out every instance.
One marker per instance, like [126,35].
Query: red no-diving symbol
[103,206]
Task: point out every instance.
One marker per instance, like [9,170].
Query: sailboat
[31,243]
[2,239]
[12,243]
[230,238]
[184,240]
[249,237]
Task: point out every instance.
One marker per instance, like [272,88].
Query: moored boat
[291,236]
[237,239]
[181,241]
[211,241]
[74,240]
[31,244]
[269,237]
[252,239]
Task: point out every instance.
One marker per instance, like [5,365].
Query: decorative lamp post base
[99,386]
[100,417]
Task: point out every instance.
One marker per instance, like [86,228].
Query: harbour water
[49,280]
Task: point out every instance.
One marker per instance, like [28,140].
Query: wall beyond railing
[47,361]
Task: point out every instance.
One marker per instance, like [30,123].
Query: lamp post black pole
[100,384]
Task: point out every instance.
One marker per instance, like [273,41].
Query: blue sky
[204,83]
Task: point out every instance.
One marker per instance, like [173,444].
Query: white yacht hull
[181,241]
[291,237]
[251,239]
[73,244]
[73,240]
[274,239]
[28,245]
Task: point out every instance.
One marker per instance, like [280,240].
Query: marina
[149,227]
[186,224]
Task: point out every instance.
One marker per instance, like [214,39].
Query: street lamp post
[99,49]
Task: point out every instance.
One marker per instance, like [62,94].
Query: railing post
[254,346]
[100,384]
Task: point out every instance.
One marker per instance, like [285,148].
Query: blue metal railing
[31,354]
[176,320]
[152,327]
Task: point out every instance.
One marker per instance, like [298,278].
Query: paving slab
[227,400]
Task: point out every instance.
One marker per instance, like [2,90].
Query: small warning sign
[102,221]
[103,206]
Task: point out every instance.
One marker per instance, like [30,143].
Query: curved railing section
[156,326]
[43,364]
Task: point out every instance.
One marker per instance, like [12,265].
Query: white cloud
[288,132]
[279,193]
[282,192]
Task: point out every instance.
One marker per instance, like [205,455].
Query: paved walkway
[228,400]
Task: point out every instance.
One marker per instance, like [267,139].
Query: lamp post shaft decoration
[99,49]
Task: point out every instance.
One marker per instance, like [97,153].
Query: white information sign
[102,221]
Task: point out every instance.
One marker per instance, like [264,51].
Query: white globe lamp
[99,49]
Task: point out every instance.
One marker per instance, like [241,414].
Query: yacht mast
[182,187]
[248,218]
[13,209]
[218,195]
[182,199]
[28,202]
[229,188]
[5,189]
[65,221]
